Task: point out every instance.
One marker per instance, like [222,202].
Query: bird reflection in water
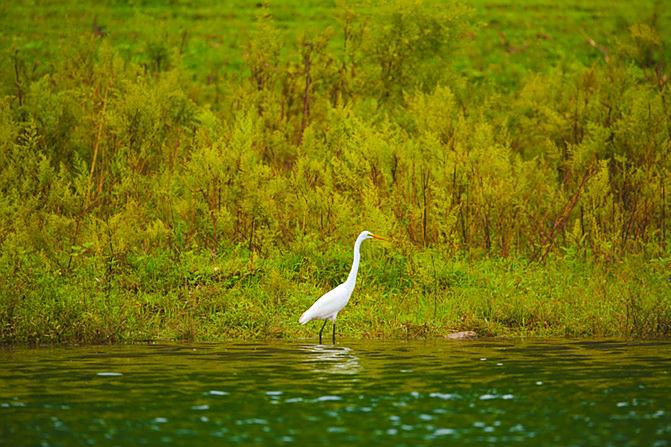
[331,359]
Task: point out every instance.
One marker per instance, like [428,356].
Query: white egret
[327,307]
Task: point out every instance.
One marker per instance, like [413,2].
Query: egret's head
[369,235]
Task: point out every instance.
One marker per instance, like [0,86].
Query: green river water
[402,393]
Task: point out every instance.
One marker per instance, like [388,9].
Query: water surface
[354,393]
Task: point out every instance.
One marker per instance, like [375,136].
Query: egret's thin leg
[322,330]
[334,332]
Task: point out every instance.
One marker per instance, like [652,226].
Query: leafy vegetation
[193,180]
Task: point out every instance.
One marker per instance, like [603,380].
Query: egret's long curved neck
[351,279]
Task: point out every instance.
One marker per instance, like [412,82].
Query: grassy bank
[236,295]
[201,173]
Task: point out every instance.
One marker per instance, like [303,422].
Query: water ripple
[407,393]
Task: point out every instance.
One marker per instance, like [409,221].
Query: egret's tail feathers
[305,317]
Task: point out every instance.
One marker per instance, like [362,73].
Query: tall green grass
[198,172]
[233,295]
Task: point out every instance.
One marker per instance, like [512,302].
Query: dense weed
[137,204]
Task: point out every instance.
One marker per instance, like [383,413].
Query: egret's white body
[328,305]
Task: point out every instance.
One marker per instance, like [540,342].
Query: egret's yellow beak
[375,236]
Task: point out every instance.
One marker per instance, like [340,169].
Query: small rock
[462,335]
